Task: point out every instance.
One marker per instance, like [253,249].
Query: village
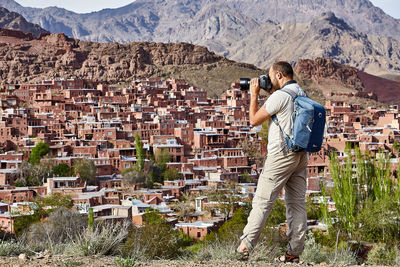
[204,139]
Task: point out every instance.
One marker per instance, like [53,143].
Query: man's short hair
[283,67]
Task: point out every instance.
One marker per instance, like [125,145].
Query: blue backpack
[308,124]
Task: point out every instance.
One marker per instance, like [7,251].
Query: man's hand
[254,87]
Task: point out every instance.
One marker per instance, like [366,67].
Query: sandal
[289,258]
[242,255]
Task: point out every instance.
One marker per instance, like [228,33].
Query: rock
[22,256]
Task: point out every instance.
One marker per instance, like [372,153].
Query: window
[109,133]
[198,234]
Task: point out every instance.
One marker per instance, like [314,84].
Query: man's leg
[296,213]
[277,170]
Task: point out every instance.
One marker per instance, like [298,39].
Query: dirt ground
[71,261]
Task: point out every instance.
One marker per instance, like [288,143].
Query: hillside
[24,58]
[27,59]
[14,21]
[255,31]
[327,37]
[328,79]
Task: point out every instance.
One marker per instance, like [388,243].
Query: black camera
[264,82]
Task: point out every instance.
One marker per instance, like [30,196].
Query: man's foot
[289,258]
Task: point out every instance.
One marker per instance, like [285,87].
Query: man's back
[281,104]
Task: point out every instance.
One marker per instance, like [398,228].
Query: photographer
[282,167]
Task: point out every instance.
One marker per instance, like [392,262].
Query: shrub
[171,174]
[381,255]
[154,241]
[379,221]
[86,170]
[231,229]
[102,239]
[313,209]
[313,252]
[61,169]
[225,250]
[278,213]
[38,152]
[62,226]
[12,248]
[342,257]
[128,262]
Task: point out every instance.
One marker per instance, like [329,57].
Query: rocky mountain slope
[14,21]
[24,58]
[326,36]
[27,59]
[342,82]
[252,31]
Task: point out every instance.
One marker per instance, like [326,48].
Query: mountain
[252,31]
[14,21]
[327,37]
[24,58]
[27,59]
[143,17]
[342,82]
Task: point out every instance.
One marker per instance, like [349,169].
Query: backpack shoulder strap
[290,92]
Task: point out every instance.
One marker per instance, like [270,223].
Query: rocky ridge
[24,58]
[254,31]
[337,80]
[27,59]
[327,36]
[14,21]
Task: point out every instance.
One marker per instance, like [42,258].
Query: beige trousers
[284,170]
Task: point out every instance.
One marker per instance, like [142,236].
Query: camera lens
[244,84]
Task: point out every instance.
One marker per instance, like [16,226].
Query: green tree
[226,197]
[38,152]
[252,151]
[171,174]
[34,175]
[91,218]
[156,240]
[86,170]
[140,153]
[344,191]
[133,176]
[264,132]
[61,170]
[42,207]
[162,157]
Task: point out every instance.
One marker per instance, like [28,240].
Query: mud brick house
[65,186]
[112,212]
[199,229]
[20,194]
[102,197]
[84,119]
[7,221]
[171,145]
[110,181]
[207,139]
[8,176]
[185,169]
[10,160]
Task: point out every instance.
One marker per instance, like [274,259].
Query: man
[282,168]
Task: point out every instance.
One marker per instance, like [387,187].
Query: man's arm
[256,117]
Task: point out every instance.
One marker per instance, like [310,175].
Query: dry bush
[102,239]
[62,226]
[12,248]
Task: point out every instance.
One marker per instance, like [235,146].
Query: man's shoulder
[296,88]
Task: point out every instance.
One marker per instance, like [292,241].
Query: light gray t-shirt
[281,104]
